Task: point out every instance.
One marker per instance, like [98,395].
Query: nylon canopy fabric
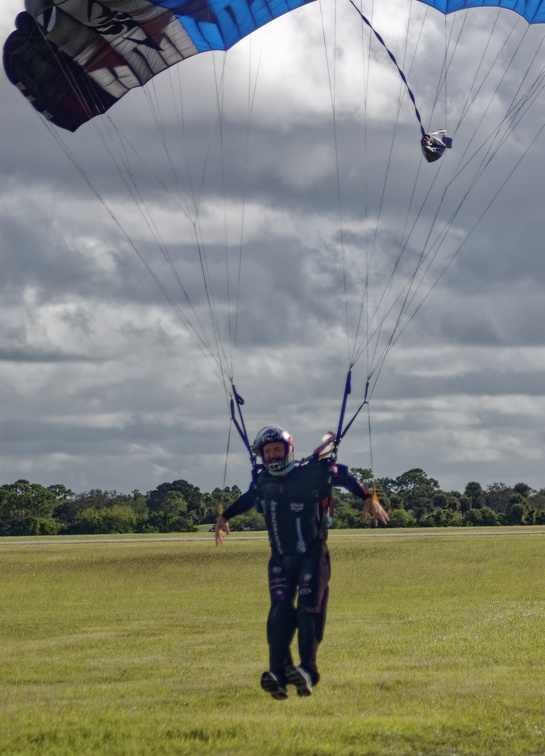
[532,10]
[74,59]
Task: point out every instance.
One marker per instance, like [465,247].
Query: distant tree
[400,518]
[118,518]
[442,500]
[539,518]
[497,497]
[441,518]
[388,485]
[537,500]
[69,509]
[345,515]
[482,516]
[523,489]
[27,509]
[364,476]
[251,520]
[219,499]
[474,492]
[60,492]
[159,502]
[416,489]
[396,501]
[517,508]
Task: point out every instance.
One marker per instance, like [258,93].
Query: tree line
[412,500]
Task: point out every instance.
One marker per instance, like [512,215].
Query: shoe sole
[298,677]
[270,685]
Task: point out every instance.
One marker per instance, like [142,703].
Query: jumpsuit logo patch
[278,583]
[274,526]
[305,589]
[300,546]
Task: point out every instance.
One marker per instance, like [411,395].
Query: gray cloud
[106,384]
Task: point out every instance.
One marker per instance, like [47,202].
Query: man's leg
[281,622]
[313,593]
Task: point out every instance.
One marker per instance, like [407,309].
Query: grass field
[434,645]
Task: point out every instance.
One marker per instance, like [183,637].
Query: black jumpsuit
[296,509]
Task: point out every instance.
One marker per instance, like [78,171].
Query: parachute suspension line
[370,248]
[447,60]
[473,96]
[205,272]
[154,108]
[364,342]
[374,336]
[515,112]
[512,120]
[178,101]
[128,180]
[370,435]
[191,213]
[225,466]
[236,401]
[517,107]
[430,255]
[126,176]
[132,187]
[252,90]
[491,149]
[521,105]
[458,250]
[199,338]
[331,77]
[366,71]
[394,61]
[140,202]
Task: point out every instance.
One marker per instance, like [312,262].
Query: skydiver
[295,499]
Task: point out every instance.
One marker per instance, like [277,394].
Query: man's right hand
[374,508]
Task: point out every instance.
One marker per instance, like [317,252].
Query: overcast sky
[107,379]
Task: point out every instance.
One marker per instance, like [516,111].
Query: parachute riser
[342,429]
[241,426]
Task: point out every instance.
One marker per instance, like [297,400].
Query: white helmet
[268,435]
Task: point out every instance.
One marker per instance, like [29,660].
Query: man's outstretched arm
[244,503]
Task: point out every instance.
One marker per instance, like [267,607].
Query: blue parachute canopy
[74,59]
[532,10]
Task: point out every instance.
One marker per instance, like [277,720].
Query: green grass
[434,645]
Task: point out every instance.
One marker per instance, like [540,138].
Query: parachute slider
[434,145]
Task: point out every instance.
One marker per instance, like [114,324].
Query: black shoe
[301,679]
[271,684]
